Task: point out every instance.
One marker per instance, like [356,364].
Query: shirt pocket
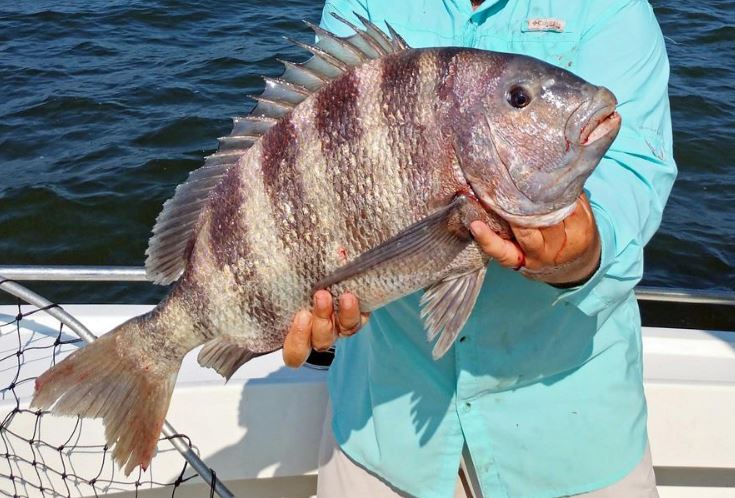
[557,48]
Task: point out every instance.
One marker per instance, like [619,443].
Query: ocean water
[105,106]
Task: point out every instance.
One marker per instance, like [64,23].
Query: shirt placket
[470,411]
[477,438]
[469,33]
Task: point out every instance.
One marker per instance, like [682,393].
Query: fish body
[348,169]
[360,170]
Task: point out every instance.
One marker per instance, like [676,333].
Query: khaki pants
[340,477]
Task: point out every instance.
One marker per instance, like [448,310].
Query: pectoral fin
[419,241]
[446,306]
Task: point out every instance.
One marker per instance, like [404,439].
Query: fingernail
[345,302]
[321,299]
[302,319]
[473,229]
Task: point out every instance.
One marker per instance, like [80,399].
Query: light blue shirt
[544,385]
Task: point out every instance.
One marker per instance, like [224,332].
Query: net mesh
[44,455]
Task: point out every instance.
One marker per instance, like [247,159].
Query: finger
[530,240]
[505,252]
[349,317]
[297,346]
[364,317]
[323,333]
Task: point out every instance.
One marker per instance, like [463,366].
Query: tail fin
[121,377]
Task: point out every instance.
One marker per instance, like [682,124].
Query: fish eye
[518,97]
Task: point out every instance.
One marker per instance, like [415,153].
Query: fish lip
[603,122]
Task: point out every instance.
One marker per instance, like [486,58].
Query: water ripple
[107,106]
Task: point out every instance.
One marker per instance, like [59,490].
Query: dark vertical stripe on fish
[399,83]
[191,291]
[283,183]
[282,180]
[225,230]
[337,124]
[284,192]
[337,113]
[229,247]
[446,69]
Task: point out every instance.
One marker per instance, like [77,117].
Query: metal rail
[75,273]
[687,296]
[137,274]
[84,333]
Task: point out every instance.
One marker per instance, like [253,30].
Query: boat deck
[260,431]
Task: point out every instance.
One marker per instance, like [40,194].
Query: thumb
[505,252]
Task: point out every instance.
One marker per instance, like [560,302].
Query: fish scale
[358,170]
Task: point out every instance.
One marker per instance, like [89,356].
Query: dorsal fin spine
[397,40]
[304,76]
[281,103]
[287,84]
[377,34]
[300,67]
[379,51]
[324,55]
[342,42]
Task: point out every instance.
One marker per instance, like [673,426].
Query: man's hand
[564,254]
[320,327]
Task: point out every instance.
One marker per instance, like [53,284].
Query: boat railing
[66,273]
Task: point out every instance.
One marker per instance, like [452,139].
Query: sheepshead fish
[358,170]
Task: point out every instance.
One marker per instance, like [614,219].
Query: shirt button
[463,338]
[466,407]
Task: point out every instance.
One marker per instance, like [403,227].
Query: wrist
[579,273]
[581,281]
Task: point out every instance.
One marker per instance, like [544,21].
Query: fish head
[531,136]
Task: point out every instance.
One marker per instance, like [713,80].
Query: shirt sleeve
[346,9]
[624,50]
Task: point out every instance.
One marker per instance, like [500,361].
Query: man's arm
[624,50]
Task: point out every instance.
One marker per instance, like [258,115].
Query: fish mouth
[603,123]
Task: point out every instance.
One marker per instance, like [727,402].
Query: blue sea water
[105,106]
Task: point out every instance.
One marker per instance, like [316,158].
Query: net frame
[29,472]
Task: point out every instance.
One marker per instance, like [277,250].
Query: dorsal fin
[332,56]
[397,40]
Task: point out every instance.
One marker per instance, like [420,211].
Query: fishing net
[43,455]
